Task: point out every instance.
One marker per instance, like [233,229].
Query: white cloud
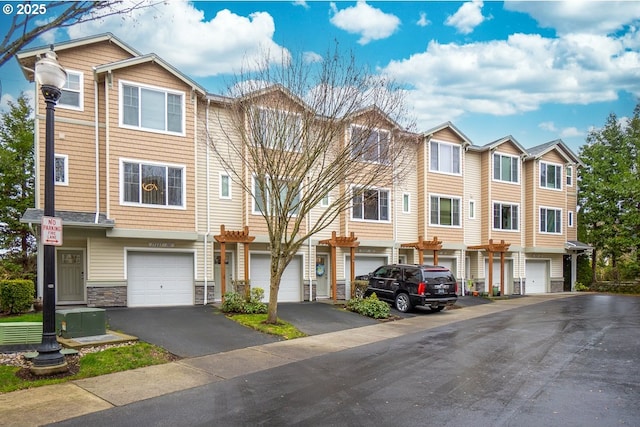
[423,21]
[370,23]
[302,3]
[517,75]
[549,126]
[311,57]
[571,132]
[467,18]
[580,16]
[180,34]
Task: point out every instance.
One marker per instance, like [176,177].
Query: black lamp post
[51,77]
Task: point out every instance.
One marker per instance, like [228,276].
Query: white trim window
[152,184]
[224,186]
[472,209]
[406,203]
[261,200]
[325,201]
[550,176]
[444,158]
[444,211]
[370,205]
[550,220]
[370,145]
[505,216]
[506,168]
[151,108]
[72,93]
[62,169]
[569,176]
[278,129]
[570,219]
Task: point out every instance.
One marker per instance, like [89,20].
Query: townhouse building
[152,218]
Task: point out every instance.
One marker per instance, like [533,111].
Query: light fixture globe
[49,72]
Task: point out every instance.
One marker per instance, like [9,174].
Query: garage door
[364,265]
[159,279]
[536,277]
[508,274]
[450,263]
[290,285]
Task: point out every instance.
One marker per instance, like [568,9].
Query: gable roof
[540,150]
[494,144]
[28,57]
[149,58]
[452,127]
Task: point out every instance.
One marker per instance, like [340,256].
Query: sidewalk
[55,403]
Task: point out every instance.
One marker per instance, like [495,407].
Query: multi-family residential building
[151,218]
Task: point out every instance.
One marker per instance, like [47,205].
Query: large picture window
[550,220]
[152,184]
[444,157]
[444,211]
[370,145]
[152,108]
[505,168]
[278,129]
[550,176]
[266,188]
[370,205]
[505,216]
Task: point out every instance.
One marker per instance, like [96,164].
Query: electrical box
[81,322]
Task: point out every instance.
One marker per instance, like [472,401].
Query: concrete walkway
[54,403]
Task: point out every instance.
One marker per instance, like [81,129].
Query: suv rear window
[438,275]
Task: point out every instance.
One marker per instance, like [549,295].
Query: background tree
[284,137]
[26,27]
[609,191]
[17,182]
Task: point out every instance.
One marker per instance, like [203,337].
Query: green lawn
[256,321]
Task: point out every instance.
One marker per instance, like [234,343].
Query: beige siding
[473,191]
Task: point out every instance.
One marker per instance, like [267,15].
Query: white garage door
[364,265]
[290,284]
[159,279]
[536,277]
[450,263]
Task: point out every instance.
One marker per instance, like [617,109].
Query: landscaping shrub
[370,306]
[16,296]
[581,288]
[617,288]
[238,303]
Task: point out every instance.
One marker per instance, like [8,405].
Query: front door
[70,276]
[217,290]
[322,276]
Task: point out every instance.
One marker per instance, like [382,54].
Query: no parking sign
[51,229]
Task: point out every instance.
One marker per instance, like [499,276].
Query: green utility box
[81,322]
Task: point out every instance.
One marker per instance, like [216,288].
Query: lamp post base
[42,371]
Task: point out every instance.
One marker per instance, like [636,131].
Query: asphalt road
[567,362]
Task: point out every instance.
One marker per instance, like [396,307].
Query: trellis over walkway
[502,248]
[422,245]
[230,236]
[344,242]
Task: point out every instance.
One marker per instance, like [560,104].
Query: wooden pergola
[502,248]
[230,236]
[334,242]
[422,245]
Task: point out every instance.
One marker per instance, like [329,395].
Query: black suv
[408,286]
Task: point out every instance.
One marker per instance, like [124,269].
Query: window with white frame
[152,184]
[61,167]
[370,205]
[569,176]
[151,108]
[550,220]
[444,211]
[278,129]
[325,201]
[265,188]
[406,203]
[444,157]
[506,168]
[505,216]
[570,219]
[225,186]
[472,209]
[550,176]
[72,92]
[370,145]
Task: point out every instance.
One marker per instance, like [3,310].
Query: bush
[16,296]
[617,288]
[238,303]
[370,307]
[358,288]
[581,288]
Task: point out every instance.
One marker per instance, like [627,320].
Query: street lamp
[51,77]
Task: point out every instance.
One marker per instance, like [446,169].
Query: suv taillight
[421,288]
[455,287]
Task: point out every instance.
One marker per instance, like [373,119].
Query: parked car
[408,286]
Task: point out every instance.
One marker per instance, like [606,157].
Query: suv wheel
[403,303]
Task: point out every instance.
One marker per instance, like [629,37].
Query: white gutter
[206,244]
[97,143]
[310,261]
[106,145]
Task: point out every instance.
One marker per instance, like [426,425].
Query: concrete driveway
[192,331]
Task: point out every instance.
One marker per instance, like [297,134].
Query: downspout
[97,144]
[208,201]
[310,261]
[106,145]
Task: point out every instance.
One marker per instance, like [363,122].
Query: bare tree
[296,135]
[31,20]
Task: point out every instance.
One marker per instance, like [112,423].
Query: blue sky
[535,70]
